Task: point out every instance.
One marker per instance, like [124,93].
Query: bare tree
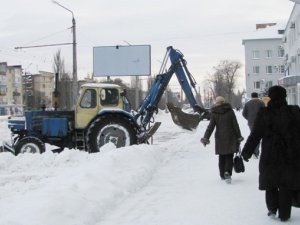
[64,88]
[224,79]
[58,64]
[137,85]
[117,81]
[150,82]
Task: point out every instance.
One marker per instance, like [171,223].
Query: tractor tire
[110,128]
[29,145]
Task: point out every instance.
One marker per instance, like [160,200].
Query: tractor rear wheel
[110,128]
[29,145]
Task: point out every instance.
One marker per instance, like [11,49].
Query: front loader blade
[7,148]
[147,135]
[182,119]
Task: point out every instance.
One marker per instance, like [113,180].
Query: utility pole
[136,92]
[75,85]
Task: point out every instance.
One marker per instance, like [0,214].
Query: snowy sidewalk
[187,190]
[173,182]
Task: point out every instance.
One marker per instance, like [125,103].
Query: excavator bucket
[185,120]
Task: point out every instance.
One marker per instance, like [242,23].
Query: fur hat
[254,95]
[219,100]
[277,93]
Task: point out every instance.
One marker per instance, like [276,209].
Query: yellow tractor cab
[93,98]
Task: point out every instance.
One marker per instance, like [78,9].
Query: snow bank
[51,187]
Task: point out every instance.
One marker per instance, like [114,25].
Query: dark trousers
[256,151]
[281,200]
[225,164]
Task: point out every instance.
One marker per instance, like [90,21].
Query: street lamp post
[75,86]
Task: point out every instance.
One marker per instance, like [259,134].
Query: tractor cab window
[89,99]
[109,96]
[126,103]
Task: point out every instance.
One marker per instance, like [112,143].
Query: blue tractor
[102,115]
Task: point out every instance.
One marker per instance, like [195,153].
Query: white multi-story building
[38,90]
[291,42]
[11,91]
[264,58]
[14,85]
[18,90]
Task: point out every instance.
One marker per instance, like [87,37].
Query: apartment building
[11,90]
[264,58]
[10,84]
[291,43]
[3,83]
[38,90]
[19,92]
[14,85]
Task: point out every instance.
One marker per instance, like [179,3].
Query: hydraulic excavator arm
[185,79]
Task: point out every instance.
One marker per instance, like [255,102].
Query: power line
[47,36]
[38,46]
[25,57]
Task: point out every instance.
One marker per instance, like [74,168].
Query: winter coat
[250,110]
[227,129]
[278,126]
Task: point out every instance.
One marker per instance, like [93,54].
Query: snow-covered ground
[175,181]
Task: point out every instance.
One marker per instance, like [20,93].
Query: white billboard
[131,60]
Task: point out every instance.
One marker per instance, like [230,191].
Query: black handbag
[238,164]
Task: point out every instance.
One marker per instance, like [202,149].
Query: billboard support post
[136,92]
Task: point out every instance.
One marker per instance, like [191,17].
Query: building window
[2,90]
[281,69]
[255,54]
[269,69]
[268,53]
[280,51]
[3,68]
[269,84]
[256,69]
[257,85]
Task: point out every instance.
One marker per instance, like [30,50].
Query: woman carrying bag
[227,136]
[278,126]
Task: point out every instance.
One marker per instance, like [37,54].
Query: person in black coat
[278,126]
[227,136]
[250,111]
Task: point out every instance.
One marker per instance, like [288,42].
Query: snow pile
[52,187]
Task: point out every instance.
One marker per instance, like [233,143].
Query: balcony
[291,80]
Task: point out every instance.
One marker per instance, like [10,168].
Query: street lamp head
[57,3]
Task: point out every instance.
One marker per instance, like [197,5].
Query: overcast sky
[204,31]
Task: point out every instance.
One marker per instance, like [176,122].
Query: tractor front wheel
[110,128]
[29,145]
